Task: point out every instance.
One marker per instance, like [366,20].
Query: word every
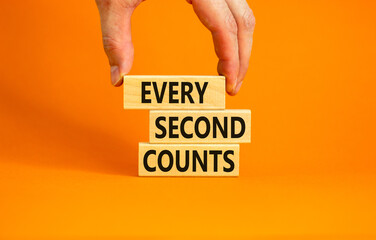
[178,92]
[174,92]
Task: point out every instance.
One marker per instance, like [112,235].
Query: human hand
[231,23]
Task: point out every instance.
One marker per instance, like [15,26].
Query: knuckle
[109,4]
[231,25]
[103,3]
[110,44]
[248,20]
[130,3]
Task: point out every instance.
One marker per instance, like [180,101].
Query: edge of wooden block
[173,76]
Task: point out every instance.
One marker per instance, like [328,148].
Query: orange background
[68,150]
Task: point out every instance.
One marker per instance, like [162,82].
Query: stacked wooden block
[191,133]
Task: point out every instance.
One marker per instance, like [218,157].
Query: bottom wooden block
[188,159]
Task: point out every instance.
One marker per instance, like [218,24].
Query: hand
[231,23]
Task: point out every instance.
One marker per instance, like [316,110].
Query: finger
[246,23]
[116,34]
[217,17]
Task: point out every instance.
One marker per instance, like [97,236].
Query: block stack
[191,132]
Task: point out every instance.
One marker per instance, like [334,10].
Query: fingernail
[115,75]
[237,88]
[230,87]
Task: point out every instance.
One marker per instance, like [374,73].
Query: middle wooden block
[200,126]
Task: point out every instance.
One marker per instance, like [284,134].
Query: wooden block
[188,159]
[174,92]
[200,126]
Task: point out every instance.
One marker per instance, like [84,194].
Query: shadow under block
[174,92]
[200,126]
[188,159]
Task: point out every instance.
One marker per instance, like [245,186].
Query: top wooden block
[174,92]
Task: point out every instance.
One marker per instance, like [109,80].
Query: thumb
[115,18]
